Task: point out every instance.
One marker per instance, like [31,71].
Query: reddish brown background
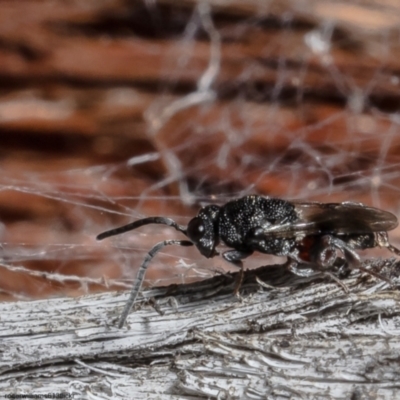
[306,106]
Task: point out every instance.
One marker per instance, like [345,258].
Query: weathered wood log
[287,337]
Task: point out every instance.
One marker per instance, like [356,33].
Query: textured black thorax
[240,220]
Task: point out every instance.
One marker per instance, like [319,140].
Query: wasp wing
[334,218]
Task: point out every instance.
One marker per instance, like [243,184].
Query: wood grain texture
[300,339]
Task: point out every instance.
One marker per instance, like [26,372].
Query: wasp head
[203,230]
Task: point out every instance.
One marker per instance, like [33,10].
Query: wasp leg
[353,259]
[235,257]
[293,267]
[324,253]
[341,269]
[393,249]
[140,276]
[309,272]
[382,240]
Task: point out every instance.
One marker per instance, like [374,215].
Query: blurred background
[113,110]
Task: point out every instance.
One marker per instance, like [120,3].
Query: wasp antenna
[140,276]
[139,223]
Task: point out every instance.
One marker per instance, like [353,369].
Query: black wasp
[306,232]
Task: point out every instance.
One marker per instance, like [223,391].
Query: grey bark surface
[298,338]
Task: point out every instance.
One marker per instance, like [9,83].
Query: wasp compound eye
[196,229]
